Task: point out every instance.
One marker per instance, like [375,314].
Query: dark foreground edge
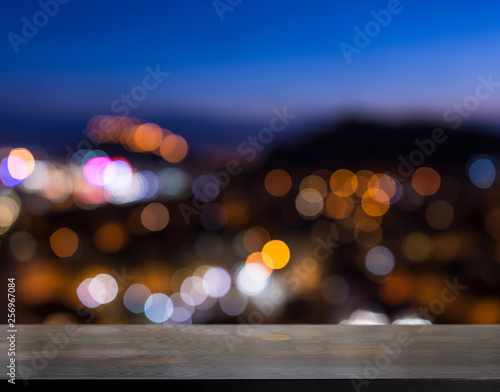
[288,385]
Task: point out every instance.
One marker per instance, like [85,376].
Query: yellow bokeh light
[278,253]
[416,246]
[64,242]
[343,182]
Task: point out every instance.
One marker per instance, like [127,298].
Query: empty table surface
[352,357]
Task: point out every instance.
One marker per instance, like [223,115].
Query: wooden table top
[349,354]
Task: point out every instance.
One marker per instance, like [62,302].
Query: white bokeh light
[217,281]
[158,308]
[194,290]
[247,284]
[103,288]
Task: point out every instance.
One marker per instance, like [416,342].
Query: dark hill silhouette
[363,144]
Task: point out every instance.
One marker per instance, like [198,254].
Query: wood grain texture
[265,352]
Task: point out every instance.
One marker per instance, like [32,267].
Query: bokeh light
[93,171]
[394,290]
[482,173]
[147,137]
[6,177]
[182,311]
[234,302]
[439,215]
[261,269]
[158,308]
[385,183]
[194,290]
[365,222]
[278,254]
[278,182]
[10,207]
[22,245]
[379,261]
[59,186]
[366,317]
[103,288]
[337,207]
[174,148]
[314,182]
[309,203]
[426,181]
[64,242]
[110,237]
[375,202]
[217,282]
[135,297]
[206,188]
[255,238]
[20,163]
[155,217]
[343,182]
[246,282]
[416,246]
[84,294]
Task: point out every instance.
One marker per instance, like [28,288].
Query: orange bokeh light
[365,222]
[148,137]
[64,242]
[278,182]
[375,202]
[173,148]
[337,207]
[343,182]
[426,181]
[110,238]
[278,253]
[394,290]
[255,238]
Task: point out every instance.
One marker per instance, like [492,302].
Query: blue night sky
[225,77]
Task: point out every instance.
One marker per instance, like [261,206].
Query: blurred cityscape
[250,162]
[361,222]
